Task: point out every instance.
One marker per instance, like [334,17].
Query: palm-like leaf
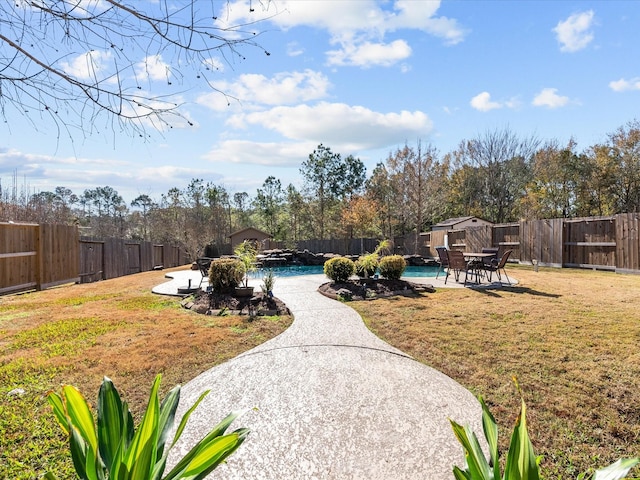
[116,450]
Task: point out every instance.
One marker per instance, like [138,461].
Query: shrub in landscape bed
[392,267]
[339,269]
[225,274]
[114,449]
[366,265]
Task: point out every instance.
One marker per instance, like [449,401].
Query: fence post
[39,258]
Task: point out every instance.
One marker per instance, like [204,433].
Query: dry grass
[570,337]
[78,334]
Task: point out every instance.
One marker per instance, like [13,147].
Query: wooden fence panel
[19,262]
[590,243]
[506,236]
[60,259]
[146,256]
[628,243]
[541,240]
[91,261]
[457,240]
[133,254]
[477,238]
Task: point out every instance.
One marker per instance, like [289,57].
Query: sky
[363,78]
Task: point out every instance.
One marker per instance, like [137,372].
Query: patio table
[474,259]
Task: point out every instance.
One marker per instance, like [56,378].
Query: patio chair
[496,266]
[204,263]
[443,260]
[457,264]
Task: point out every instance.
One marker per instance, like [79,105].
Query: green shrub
[225,274]
[339,269]
[392,267]
[367,265]
[112,448]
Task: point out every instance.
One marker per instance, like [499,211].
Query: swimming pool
[296,270]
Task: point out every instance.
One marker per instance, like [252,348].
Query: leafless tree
[122,65]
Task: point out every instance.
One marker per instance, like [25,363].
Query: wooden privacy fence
[603,243]
[42,256]
[102,259]
[37,256]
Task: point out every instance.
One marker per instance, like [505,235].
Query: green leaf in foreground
[521,462]
[116,450]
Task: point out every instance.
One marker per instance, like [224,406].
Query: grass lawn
[78,334]
[572,339]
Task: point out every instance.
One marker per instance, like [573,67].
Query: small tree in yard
[247,254]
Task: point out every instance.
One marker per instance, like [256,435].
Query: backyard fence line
[41,256]
[601,243]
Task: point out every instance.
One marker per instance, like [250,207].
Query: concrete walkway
[327,399]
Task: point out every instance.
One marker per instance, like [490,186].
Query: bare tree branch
[125,62]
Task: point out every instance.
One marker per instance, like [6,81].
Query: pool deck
[327,399]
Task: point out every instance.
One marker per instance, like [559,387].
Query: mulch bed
[261,304]
[372,289]
[215,303]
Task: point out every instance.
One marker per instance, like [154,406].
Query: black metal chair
[458,264]
[497,266]
[443,260]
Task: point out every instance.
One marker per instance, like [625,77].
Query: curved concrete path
[327,399]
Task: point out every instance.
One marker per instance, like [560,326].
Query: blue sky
[363,78]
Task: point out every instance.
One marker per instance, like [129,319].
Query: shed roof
[237,232]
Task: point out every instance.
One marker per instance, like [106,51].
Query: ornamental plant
[521,462]
[113,449]
[225,274]
[392,267]
[339,269]
[366,265]
[247,253]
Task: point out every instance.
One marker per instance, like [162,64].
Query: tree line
[498,176]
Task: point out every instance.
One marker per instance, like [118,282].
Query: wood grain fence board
[91,261]
[477,238]
[506,236]
[60,258]
[628,242]
[19,261]
[541,240]
[591,241]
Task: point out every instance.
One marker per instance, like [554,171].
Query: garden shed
[260,238]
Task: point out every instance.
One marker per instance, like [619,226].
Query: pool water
[293,271]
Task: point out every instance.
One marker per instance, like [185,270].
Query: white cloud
[483,102]
[155,68]
[358,27]
[260,153]
[90,65]
[548,97]
[624,85]
[344,126]
[282,89]
[294,49]
[575,33]
[369,54]
[214,64]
